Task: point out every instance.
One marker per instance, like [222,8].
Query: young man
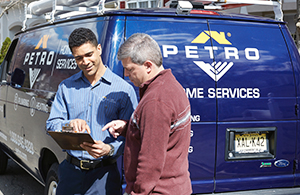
[87,101]
[158,133]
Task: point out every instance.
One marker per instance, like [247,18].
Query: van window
[7,61]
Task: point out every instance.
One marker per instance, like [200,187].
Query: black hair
[81,36]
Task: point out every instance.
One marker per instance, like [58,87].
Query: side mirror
[18,77]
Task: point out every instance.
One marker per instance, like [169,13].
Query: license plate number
[250,143]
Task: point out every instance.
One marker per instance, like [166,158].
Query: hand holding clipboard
[68,139]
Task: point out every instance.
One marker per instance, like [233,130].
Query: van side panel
[295,58]
[6,64]
[3,133]
[245,68]
[256,106]
[180,48]
[28,106]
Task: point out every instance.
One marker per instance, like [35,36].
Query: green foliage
[4,48]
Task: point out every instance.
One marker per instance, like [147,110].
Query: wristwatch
[112,150]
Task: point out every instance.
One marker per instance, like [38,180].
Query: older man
[158,133]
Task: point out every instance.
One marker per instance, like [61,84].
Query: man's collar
[107,77]
[146,83]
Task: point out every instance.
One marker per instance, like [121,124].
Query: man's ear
[99,48]
[149,66]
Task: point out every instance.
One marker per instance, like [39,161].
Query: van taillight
[122,4]
[207,12]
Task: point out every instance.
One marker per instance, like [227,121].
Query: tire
[3,162]
[52,180]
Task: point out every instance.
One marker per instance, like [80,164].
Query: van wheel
[52,180]
[3,162]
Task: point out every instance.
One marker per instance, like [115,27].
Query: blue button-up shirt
[109,99]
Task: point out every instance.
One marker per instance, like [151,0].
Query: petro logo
[206,35]
[37,58]
[214,70]
[217,69]
[220,49]
[43,41]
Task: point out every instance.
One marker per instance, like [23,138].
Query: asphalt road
[16,181]
[275,191]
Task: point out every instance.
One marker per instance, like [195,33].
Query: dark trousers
[98,181]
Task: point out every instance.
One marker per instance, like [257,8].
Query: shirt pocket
[110,108]
[76,110]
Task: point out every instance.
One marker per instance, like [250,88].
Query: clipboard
[70,140]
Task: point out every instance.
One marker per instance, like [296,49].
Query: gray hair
[141,47]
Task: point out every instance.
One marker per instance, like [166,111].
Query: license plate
[250,143]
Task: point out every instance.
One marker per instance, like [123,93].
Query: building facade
[289,8]
[12,18]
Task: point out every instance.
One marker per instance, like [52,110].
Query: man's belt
[89,164]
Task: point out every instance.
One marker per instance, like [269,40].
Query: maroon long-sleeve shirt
[158,138]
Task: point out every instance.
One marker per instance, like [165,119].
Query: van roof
[163,12]
[171,12]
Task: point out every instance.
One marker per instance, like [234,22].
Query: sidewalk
[274,191]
